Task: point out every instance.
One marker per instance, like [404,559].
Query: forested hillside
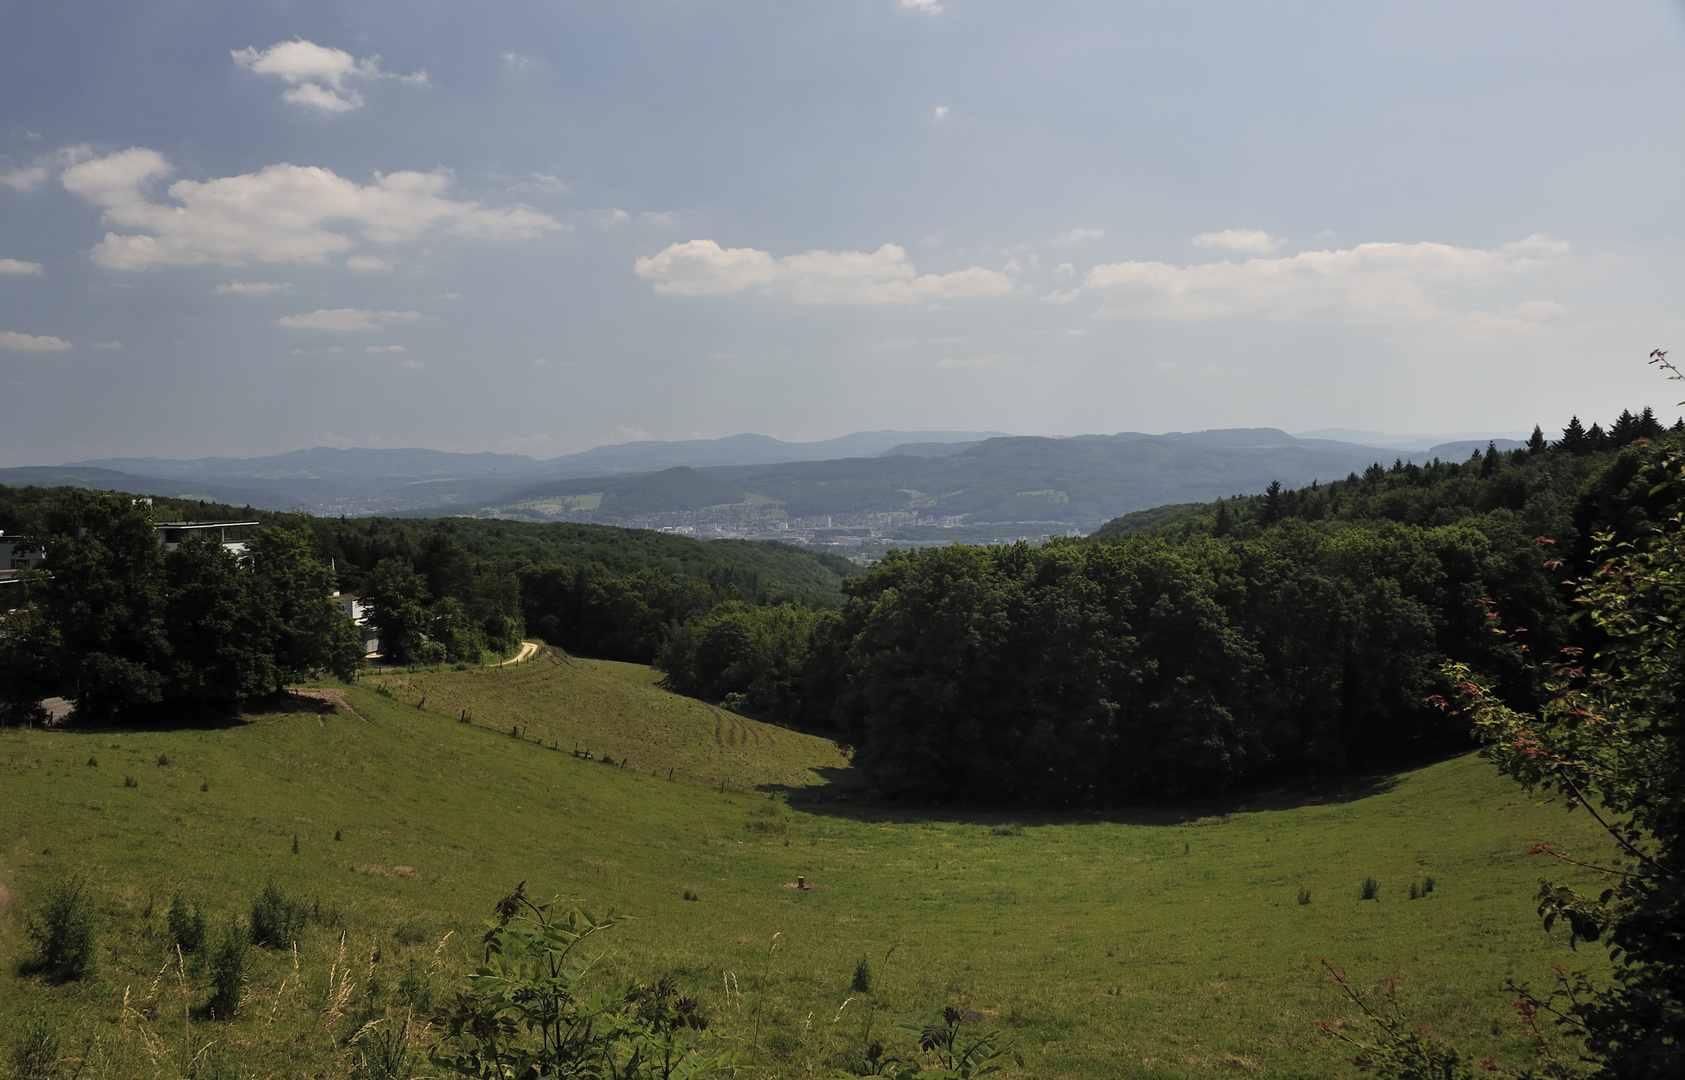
[1215,645]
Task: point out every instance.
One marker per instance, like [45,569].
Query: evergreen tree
[1536,442]
[1574,438]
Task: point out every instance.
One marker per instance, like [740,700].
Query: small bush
[187,924]
[206,786]
[690,895]
[410,933]
[229,961]
[383,1053]
[1304,896]
[129,781]
[1371,888]
[862,983]
[277,919]
[1427,886]
[1415,891]
[295,843]
[37,1056]
[63,933]
[93,763]
[336,834]
[163,759]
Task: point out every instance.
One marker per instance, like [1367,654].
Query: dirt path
[528,648]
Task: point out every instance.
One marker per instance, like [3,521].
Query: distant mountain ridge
[978,476]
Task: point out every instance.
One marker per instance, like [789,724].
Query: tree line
[1290,632]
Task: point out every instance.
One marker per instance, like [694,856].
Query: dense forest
[1186,649]
[1221,644]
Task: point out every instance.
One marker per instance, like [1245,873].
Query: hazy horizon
[237,230]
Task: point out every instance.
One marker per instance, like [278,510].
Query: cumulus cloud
[1077,236]
[109,345]
[18,266]
[254,288]
[929,7]
[542,184]
[24,179]
[368,263]
[31,343]
[514,60]
[631,434]
[885,276]
[941,111]
[317,74]
[610,217]
[384,349]
[345,319]
[1367,282]
[1250,241]
[279,214]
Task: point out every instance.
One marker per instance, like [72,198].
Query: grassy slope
[1115,947]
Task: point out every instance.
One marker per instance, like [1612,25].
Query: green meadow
[1152,944]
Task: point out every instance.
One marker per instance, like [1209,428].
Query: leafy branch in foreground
[530,1009]
[1608,738]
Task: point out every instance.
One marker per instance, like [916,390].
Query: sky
[537,227]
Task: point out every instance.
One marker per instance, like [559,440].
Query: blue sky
[540,226]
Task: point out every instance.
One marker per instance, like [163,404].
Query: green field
[1155,944]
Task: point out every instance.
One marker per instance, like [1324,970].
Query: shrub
[410,933]
[206,786]
[277,919]
[862,983]
[228,963]
[187,924]
[93,763]
[1304,896]
[383,1053]
[129,781]
[690,895]
[1371,888]
[63,933]
[37,1056]
[163,759]
[1427,886]
[1415,891]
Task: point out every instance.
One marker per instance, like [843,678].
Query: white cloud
[25,179]
[254,288]
[280,214]
[31,343]
[1065,270]
[452,296]
[1368,282]
[941,111]
[1077,236]
[631,434]
[345,319]
[930,7]
[524,444]
[18,266]
[514,60]
[609,218]
[109,345]
[885,276]
[541,184]
[384,349]
[1250,241]
[317,74]
[414,365]
[658,217]
[894,343]
[368,263]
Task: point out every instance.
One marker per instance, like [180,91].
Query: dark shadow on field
[845,793]
[199,715]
